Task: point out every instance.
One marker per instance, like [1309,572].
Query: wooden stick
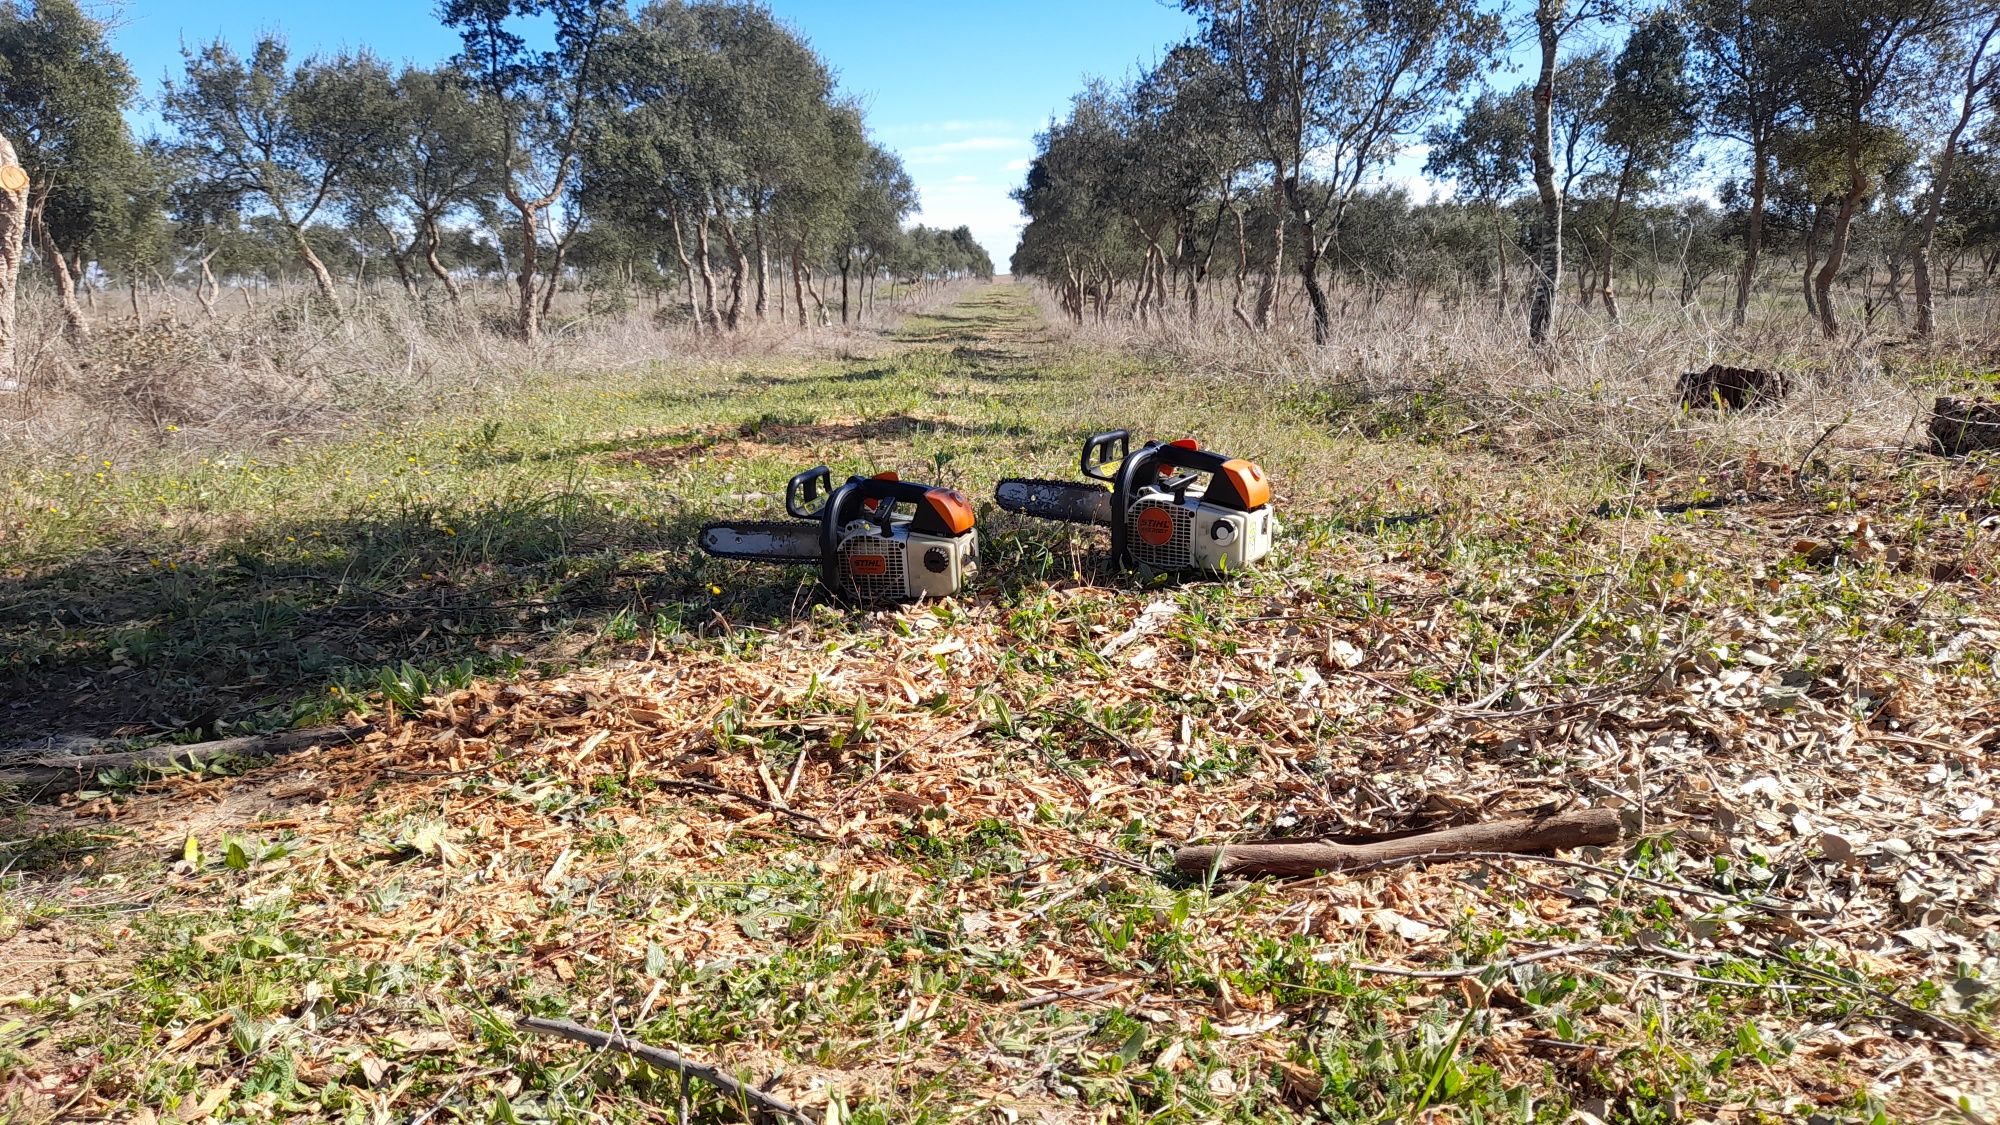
[1563,830]
[742,1092]
[48,775]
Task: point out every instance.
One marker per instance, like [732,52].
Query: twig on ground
[1479,970]
[768,806]
[1043,1000]
[742,1092]
[1562,638]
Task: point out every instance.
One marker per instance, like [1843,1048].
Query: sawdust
[1837,812]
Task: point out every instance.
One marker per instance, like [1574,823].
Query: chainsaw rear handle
[1107,448]
[806,494]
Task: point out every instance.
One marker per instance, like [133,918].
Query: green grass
[190,592]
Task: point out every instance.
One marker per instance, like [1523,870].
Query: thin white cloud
[933,127]
[965,179]
[946,150]
[1020,165]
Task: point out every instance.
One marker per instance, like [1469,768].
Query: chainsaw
[875,538]
[1170,505]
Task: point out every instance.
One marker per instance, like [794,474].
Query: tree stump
[1732,388]
[1964,425]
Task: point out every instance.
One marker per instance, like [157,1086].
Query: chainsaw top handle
[935,511]
[1105,449]
[1233,482]
[807,493]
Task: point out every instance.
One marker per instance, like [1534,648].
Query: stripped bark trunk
[1242,272]
[13,225]
[687,267]
[712,320]
[1267,290]
[763,262]
[209,289]
[76,328]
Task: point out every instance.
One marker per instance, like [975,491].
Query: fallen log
[742,1093]
[1577,829]
[49,775]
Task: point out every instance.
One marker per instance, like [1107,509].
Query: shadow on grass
[296,621]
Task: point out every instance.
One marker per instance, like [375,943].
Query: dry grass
[1603,392]
[284,367]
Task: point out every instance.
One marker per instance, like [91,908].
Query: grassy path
[962,906]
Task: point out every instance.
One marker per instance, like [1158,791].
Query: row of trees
[698,145]
[1260,142]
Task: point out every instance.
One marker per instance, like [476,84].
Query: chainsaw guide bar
[783,541]
[1064,500]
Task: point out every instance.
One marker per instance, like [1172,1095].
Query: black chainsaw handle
[1107,448]
[806,494]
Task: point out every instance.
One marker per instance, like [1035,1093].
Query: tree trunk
[1753,231]
[1836,249]
[1941,182]
[739,269]
[1813,234]
[437,267]
[1611,240]
[76,329]
[812,291]
[1267,289]
[711,321]
[322,280]
[1548,229]
[528,319]
[763,262]
[799,284]
[401,262]
[846,265]
[209,289]
[687,266]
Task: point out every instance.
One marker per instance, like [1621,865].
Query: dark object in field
[46,775]
[1306,857]
[1964,425]
[1732,388]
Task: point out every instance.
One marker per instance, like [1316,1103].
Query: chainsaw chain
[1070,486]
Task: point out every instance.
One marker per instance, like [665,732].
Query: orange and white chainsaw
[875,538]
[1170,505]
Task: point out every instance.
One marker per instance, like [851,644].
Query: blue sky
[958,89]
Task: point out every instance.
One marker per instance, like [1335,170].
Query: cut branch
[1578,829]
[742,1092]
[49,775]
